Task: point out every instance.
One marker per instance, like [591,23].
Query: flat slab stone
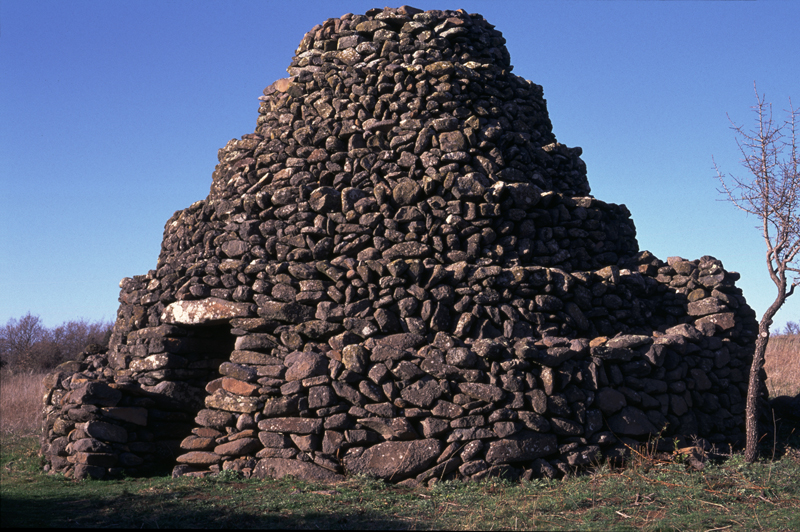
[396,460]
[629,341]
[90,445]
[723,321]
[214,418]
[704,307]
[105,431]
[291,425]
[281,467]
[95,393]
[307,365]
[481,392]
[407,250]
[524,446]
[224,400]
[196,443]
[205,311]
[286,312]
[199,458]
[94,459]
[422,393]
[237,387]
[242,446]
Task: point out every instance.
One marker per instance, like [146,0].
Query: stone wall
[402,273]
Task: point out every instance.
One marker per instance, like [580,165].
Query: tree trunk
[754,385]
[752,412]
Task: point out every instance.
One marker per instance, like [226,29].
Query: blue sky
[111,115]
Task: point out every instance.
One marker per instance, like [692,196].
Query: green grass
[650,494]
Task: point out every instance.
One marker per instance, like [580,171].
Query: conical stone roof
[399,123]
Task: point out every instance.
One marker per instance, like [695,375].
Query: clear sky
[112,112]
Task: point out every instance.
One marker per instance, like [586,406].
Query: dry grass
[20,403]
[782,364]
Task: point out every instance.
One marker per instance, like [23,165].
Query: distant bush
[792,328]
[27,345]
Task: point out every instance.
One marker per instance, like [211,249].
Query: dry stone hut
[402,273]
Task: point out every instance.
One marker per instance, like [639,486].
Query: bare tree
[18,338]
[771,192]
[792,329]
[27,345]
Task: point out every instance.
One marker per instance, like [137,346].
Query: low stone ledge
[205,312]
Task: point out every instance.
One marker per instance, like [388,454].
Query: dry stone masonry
[401,273]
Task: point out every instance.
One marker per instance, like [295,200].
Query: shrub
[792,328]
[27,345]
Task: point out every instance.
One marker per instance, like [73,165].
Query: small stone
[631,422]
[482,392]
[214,418]
[95,393]
[452,141]
[406,192]
[240,447]
[629,341]
[105,431]
[610,401]
[224,400]
[195,443]
[422,393]
[90,445]
[440,68]
[704,307]
[307,365]
[238,371]
[238,387]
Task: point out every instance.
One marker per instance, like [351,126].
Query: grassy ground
[649,494]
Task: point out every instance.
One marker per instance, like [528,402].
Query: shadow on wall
[138,419]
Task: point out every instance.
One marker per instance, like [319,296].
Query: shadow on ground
[783,430]
[190,508]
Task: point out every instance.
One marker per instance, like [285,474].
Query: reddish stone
[194,443]
[238,387]
[200,458]
[238,447]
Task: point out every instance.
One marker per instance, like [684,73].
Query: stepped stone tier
[401,273]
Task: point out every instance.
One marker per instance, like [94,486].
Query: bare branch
[772,193]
